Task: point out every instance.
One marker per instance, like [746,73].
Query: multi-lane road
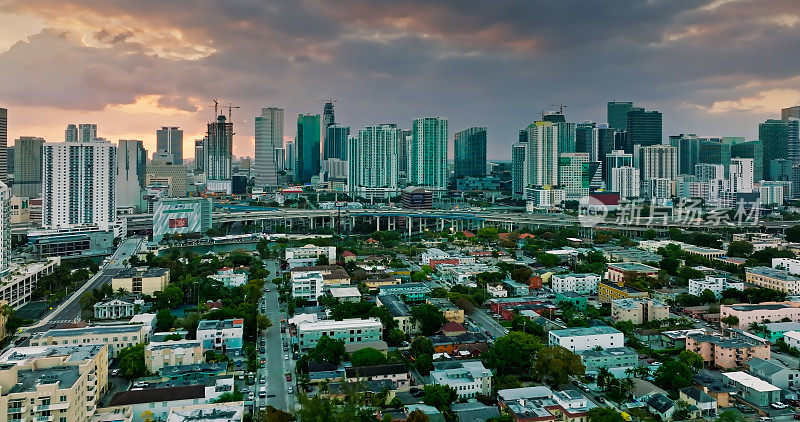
[70,309]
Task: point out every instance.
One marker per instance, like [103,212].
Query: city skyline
[138,70]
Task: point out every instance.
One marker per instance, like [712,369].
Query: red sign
[178,222]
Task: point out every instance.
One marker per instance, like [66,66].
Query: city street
[487,323]
[276,366]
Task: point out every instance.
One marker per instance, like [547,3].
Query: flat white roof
[339,325]
[750,381]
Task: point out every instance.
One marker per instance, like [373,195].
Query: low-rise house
[705,404]
[309,255]
[716,283]
[470,343]
[463,273]
[496,290]
[620,357]
[452,329]
[322,371]
[159,401]
[468,377]
[114,309]
[661,406]
[578,339]
[397,373]
[639,311]
[141,280]
[345,293]
[530,404]
[117,337]
[775,331]
[578,301]
[433,414]
[377,282]
[231,277]
[728,352]
[400,312]
[172,353]
[792,339]
[712,383]
[352,330]
[617,271]
[775,373]
[221,336]
[452,312]
[752,389]
[374,393]
[474,412]
[577,283]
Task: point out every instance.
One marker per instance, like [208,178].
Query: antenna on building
[216,108]
[328,100]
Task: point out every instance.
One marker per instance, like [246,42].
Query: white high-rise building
[741,175]
[131,162]
[5,229]
[427,164]
[373,159]
[542,152]
[706,172]
[79,184]
[656,161]
[269,137]
[626,181]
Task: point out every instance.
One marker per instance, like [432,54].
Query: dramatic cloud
[713,67]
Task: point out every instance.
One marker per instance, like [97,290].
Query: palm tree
[604,378]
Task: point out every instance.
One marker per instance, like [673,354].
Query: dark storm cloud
[476,62]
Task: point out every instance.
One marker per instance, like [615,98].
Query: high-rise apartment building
[790,112]
[617,114]
[169,140]
[566,137]
[218,154]
[428,153]
[335,145]
[84,132]
[373,160]
[28,167]
[644,128]
[774,137]
[308,147]
[79,184]
[519,168]
[199,155]
[615,159]
[754,150]
[626,181]
[268,137]
[793,140]
[328,116]
[405,146]
[131,162]
[3,144]
[656,161]
[71,133]
[5,229]
[470,152]
[741,175]
[542,155]
[583,136]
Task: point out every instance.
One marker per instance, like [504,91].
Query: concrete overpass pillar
[377,223]
[409,221]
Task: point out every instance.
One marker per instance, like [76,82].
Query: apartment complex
[578,283]
[221,335]
[639,311]
[352,330]
[773,278]
[469,378]
[117,337]
[579,339]
[728,352]
[619,357]
[715,283]
[141,280]
[172,353]
[761,312]
[607,292]
[56,383]
[308,255]
[617,271]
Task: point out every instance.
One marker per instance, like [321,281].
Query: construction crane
[328,100]
[216,107]
[230,109]
[561,107]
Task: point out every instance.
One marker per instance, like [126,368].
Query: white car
[779,405]
[291,390]
[286,356]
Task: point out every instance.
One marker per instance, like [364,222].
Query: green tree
[604,414]
[732,415]
[521,275]
[164,320]
[263,322]
[417,416]
[271,414]
[730,320]
[328,350]
[429,317]
[322,260]
[395,337]
[548,260]
[512,354]
[173,337]
[670,265]
[230,396]
[131,362]
[691,359]
[649,234]
[367,357]
[793,234]
[740,248]
[673,375]
[488,233]
[558,364]
[439,396]
[421,350]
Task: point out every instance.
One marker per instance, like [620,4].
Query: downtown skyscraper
[427,164]
[644,128]
[542,155]
[3,144]
[28,167]
[131,162]
[217,155]
[373,160]
[268,138]
[470,152]
[307,145]
[169,140]
[617,114]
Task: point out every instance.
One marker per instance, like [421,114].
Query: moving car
[262,392]
[263,380]
[288,377]
[286,356]
[291,390]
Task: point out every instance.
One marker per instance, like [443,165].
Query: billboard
[178,222]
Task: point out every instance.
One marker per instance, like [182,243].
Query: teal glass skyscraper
[308,147]
[774,137]
[427,164]
[470,152]
[644,128]
[617,114]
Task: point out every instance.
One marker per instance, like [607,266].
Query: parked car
[286,356]
[797,416]
[778,405]
[115,372]
[291,390]
[263,380]
[288,377]
[764,419]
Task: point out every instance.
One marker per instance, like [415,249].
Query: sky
[712,67]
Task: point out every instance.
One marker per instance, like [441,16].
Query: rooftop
[727,342]
[73,353]
[142,272]
[216,412]
[209,324]
[770,272]
[617,351]
[152,395]
[750,381]
[28,379]
[93,330]
[345,324]
[632,266]
[371,371]
[585,331]
[174,344]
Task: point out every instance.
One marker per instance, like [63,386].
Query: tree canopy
[512,353]
[429,317]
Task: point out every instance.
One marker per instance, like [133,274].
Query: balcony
[45,418]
